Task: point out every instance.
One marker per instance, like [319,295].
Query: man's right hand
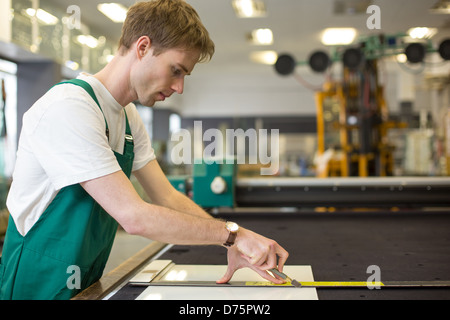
[257,253]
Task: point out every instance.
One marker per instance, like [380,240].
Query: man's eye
[176,72]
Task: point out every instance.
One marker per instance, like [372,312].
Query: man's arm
[258,252]
[116,194]
[162,193]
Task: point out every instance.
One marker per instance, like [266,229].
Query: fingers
[274,256]
[282,257]
[227,276]
[237,260]
[269,261]
[263,273]
[261,252]
[273,277]
[266,275]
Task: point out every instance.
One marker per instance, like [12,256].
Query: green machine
[212,184]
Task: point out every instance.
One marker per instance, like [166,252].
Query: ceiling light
[422,32]
[114,11]
[88,40]
[264,57]
[43,16]
[442,6]
[8,66]
[401,58]
[338,36]
[72,65]
[261,37]
[249,8]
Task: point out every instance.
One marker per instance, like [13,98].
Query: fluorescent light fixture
[114,11]
[264,57]
[261,37]
[88,40]
[442,6]
[422,32]
[249,8]
[43,16]
[72,65]
[8,66]
[401,58]
[338,36]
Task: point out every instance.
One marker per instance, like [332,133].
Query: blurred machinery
[217,185]
[211,185]
[352,116]
[353,147]
[352,126]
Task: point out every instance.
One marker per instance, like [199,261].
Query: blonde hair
[169,24]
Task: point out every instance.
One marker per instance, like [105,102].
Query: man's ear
[143,46]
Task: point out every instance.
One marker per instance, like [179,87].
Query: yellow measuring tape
[341,284]
[266,283]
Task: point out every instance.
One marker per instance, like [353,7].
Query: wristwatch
[233,228]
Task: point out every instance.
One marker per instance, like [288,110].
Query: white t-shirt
[63,142]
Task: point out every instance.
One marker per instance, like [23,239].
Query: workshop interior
[322,124]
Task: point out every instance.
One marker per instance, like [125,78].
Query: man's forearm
[176,227]
[115,193]
[182,203]
[162,193]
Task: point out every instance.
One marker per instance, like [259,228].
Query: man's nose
[178,86]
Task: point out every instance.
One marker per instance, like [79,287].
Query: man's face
[158,77]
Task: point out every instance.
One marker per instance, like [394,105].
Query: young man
[78,146]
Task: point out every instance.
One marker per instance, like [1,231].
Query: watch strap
[231,239]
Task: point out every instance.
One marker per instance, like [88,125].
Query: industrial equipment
[216,185]
[352,116]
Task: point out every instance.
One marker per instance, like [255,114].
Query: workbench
[406,245]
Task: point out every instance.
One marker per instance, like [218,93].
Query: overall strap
[127,129]
[86,86]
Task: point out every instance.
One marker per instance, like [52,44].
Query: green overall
[72,238]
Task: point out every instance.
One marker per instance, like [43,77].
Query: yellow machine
[352,126]
[352,116]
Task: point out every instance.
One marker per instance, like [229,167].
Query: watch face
[232,227]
